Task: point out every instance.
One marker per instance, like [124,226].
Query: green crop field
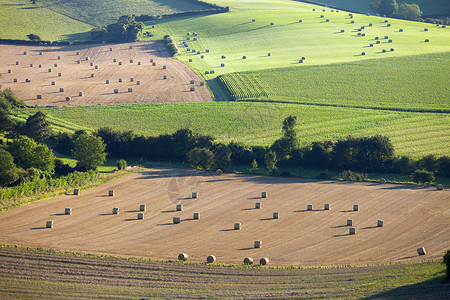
[428,7]
[413,134]
[415,83]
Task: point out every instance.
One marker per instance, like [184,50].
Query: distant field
[413,83]
[20,18]
[413,134]
[234,35]
[428,7]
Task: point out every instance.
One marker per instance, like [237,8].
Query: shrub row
[171,46]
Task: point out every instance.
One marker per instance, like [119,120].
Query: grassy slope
[101,12]
[414,83]
[428,7]
[234,35]
[80,276]
[413,134]
[20,17]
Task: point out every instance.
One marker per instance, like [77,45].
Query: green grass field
[413,134]
[428,7]
[234,35]
[415,83]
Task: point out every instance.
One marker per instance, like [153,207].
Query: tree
[222,156]
[88,150]
[284,146]
[6,124]
[28,154]
[8,170]
[421,176]
[43,159]
[254,164]
[201,158]
[121,164]
[384,7]
[409,11]
[270,159]
[37,127]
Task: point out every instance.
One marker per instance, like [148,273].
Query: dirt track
[77,78]
[413,217]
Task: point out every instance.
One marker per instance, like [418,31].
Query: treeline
[24,158]
[47,43]
[358,154]
[171,45]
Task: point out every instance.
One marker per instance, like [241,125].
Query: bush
[421,176]
[353,176]
[121,164]
[447,263]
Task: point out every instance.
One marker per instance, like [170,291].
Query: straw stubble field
[76,77]
[413,217]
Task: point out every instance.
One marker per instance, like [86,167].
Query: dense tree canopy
[8,170]
[126,29]
[28,154]
[37,127]
[88,150]
[409,11]
[384,7]
[201,158]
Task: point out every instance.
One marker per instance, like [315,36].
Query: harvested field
[413,217]
[76,77]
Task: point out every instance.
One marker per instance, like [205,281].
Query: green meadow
[256,123]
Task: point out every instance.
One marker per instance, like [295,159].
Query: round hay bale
[370,45]
[192,89]
[211,72]
[244,57]
[202,83]
[138,82]
[327,20]
[439,187]
[276,215]
[77,192]
[342,30]
[248,261]
[107,81]
[378,42]
[116,211]
[376,38]
[326,206]
[359,33]
[131,79]
[17,63]
[349,222]
[96,67]
[382,181]
[253,20]
[258,205]
[380,223]
[352,21]
[192,81]
[363,34]
[31,65]
[116,91]
[207,50]
[322,16]
[120,79]
[222,65]
[426,185]
[131,47]
[386,37]
[142,207]
[202,56]
[264,195]
[352,230]
[139,63]
[300,21]
[400,30]
[110,49]
[40,53]
[421,251]
[300,61]
[49,224]
[370,24]
[425,29]
[356,207]
[392,49]
[363,53]
[49,70]
[389,41]
[78,61]
[154,64]
[237,226]
[130,90]
[384,50]
[385,21]
[68,211]
[9,71]
[313,9]
[140,216]
[80,94]
[190,59]
[388,25]
[61,90]
[120,63]
[92,75]
[131,61]
[206,72]
[27,80]
[194,195]
[264,261]
[53,83]
[88,58]
[182,257]
[218,171]
[77,53]
[269,54]
[272,23]
[176,220]
[196,216]
[258,244]
[15,79]
[211,259]
[427,40]
[68,98]
[114,60]
[309,207]
[165,77]
[60,74]
[179,207]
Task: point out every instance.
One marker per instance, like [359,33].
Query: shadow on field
[431,289]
